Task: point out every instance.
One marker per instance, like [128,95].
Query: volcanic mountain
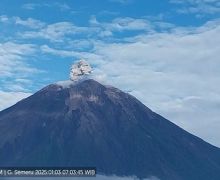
[90,124]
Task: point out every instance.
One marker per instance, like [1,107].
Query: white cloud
[33,6]
[123,24]
[199,7]
[62,31]
[31,23]
[128,24]
[122,1]
[14,68]
[7,99]
[30,6]
[63,53]
[66,31]
[120,24]
[80,44]
[55,32]
[63,6]
[3,18]
[96,59]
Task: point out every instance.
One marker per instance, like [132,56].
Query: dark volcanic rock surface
[89,124]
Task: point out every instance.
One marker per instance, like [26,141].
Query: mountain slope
[89,124]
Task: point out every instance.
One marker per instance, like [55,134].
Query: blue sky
[165,53]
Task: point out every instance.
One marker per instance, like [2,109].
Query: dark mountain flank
[89,124]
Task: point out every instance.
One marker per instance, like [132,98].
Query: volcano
[92,125]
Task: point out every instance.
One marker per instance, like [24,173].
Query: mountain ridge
[89,124]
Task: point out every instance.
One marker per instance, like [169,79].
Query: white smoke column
[80,70]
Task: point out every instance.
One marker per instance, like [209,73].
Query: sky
[165,53]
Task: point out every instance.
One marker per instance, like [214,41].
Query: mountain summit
[90,124]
